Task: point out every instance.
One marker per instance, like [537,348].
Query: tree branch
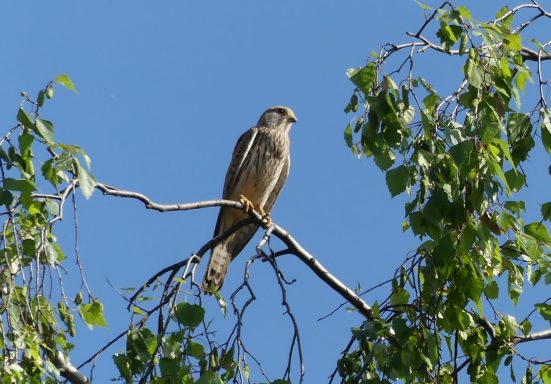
[320,271]
[293,245]
[541,335]
[150,204]
[66,369]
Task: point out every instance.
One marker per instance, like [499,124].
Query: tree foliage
[37,316]
[456,156]
[459,158]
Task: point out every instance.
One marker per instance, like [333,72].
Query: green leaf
[464,12]
[504,149]
[168,367]
[49,91]
[489,132]
[401,296]
[492,290]
[348,135]
[25,144]
[195,349]
[6,198]
[423,6]
[514,42]
[497,170]
[352,104]
[545,374]
[29,247]
[66,81]
[121,361]
[86,182]
[397,180]
[515,180]
[45,129]
[24,119]
[474,74]
[448,34]
[514,287]
[189,315]
[41,97]
[544,310]
[546,133]
[525,326]
[92,314]
[518,125]
[21,185]
[363,78]
[209,377]
[546,211]
[522,75]
[51,254]
[461,152]
[226,360]
[138,311]
[50,172]
[538,231]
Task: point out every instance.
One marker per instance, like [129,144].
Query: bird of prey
[258,169]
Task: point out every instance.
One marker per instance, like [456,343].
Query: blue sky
[164,91]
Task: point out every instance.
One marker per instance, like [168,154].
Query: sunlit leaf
[538,231]
[92,314]
[66,81]
[45,129]
[86,182]
[544,310]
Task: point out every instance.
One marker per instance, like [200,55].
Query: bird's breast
[262,167]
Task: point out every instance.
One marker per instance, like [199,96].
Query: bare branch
[322,272]
[149,204]
[68,370]
[278,231]
[541,335]
[531,55]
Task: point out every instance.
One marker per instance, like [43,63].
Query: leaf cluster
[459,159]
[37,319]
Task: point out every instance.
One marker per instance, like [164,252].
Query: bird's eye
[281,110]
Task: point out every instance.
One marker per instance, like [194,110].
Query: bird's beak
[293,118]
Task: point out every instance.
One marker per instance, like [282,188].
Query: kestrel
[258,169]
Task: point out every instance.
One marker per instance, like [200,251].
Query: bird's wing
[240,153]
[277,188]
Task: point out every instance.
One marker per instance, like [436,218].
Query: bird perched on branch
[258,169]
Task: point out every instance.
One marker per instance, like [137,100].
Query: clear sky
[164,91]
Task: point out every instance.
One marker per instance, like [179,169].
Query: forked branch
[293,245]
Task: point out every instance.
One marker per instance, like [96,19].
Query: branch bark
[541,335]
[67,370]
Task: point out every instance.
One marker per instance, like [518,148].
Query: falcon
[258,169]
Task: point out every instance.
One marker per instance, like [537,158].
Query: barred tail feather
[217,268]
[223,253]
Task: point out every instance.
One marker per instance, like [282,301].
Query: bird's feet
[265,216]
[248,206]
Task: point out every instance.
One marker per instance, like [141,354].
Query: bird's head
[279,117]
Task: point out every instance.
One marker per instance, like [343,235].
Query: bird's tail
[218,267]
[223,253]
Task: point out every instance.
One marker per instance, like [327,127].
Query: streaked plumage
[258,169]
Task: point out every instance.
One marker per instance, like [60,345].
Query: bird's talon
[266,216]
[248,206]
